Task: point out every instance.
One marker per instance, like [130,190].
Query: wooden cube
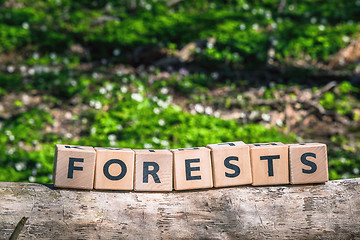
[192,168]
[269,163]
[153,170]
[114,168]
[74,166]
[230,164]
[308,163]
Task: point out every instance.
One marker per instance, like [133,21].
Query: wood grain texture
[192,168]
[266,171]
[153,170]
[300,173]
[74,166]
[224,173]
[119,164]
[323,211]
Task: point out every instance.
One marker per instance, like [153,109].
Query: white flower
[215,75]
[98,105]
[217,114]
[137,97]
[119,127]
[156,140]
[52,55]
[199,108]
[112,137]
[10,69]
[11,137]
[73,82]
[124,89]
[156,110]
[356,171]
[19,166]
[164,143]
[266,117]
[95,104]
[245,7]
[31,71]
[102,90]
[36,55]
[345,176]
[346,38]
[242,115]
[38,165]
[23,68]
[161,122]
[210,45]
[148,145]
[242,26]
[95,75]
[321,27]
[164,90]
[208,110]
[279,122]
[116,52]
[109,87]
[68,135]
[25,25]
[163,104]
[93,130]
[313,20]
[147,6]
[255,26]
[10,151]
[32,179]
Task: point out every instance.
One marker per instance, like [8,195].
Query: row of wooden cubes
[217,165]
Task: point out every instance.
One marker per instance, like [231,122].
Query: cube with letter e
[308,163]
[74,166]
[192,168]
[269,163]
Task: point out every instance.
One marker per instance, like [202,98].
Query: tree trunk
[326,211]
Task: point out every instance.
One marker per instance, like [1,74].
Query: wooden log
[326,211]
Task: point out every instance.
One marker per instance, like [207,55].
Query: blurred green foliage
[49,42]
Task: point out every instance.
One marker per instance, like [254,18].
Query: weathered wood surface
[325,211]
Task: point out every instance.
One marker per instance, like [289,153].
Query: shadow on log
[326,211]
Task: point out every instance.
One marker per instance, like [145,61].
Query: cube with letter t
[114,168]
[153,170]
[231,164]
[74,166]
[308,163]
[192,168]
[269,163]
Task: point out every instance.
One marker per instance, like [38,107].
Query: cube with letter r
[153,170]
[74,166]
[308,163]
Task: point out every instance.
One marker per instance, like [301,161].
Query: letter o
[123,169]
